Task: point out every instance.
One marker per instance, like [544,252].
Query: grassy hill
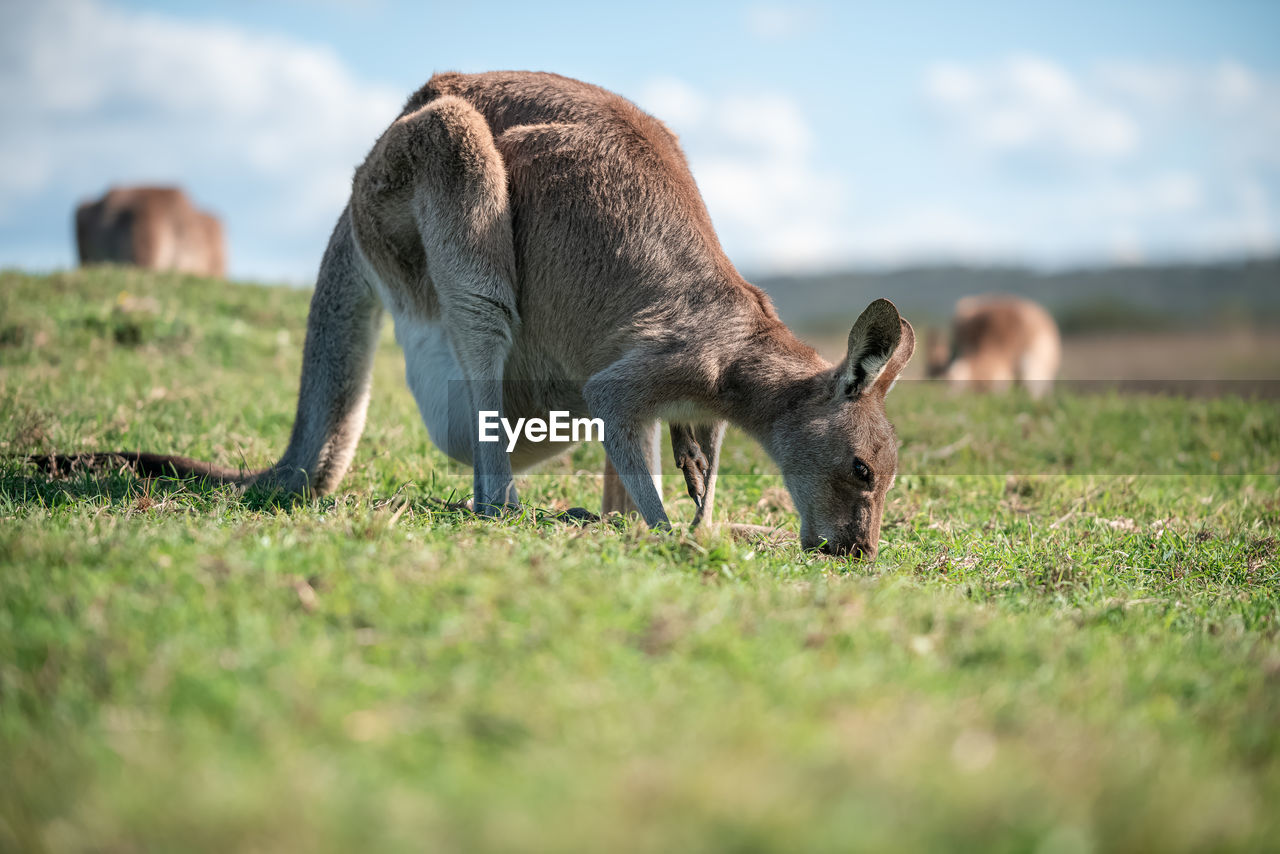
[1173,296]
[1071,640]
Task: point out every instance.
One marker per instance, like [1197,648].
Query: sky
[823,136]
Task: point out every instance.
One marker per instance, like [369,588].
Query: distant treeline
[1148,297]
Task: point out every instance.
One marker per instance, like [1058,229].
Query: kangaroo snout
[849,545]
[857,550]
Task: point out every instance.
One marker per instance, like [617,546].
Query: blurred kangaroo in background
[153,227]
[996,341]
[541,245]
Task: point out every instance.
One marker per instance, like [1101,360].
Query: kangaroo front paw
[692,462]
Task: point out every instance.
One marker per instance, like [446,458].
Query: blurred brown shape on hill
[153,227]
[997,340]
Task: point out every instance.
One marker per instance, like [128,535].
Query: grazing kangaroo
[541,245]
[153,227]
[995,341]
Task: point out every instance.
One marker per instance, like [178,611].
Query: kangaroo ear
[872,343]
[901,355]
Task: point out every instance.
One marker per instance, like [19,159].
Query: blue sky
[823,135]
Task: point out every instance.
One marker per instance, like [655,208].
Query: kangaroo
[995,341]
[540,244]
[153,227]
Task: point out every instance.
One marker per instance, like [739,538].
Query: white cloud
[1234,84]
[1235,109]
[952,85]
[770,121]
[1026,103]
[1226,86]
[1172,193]
[259,125]
[1152,85]
[752,156]
[1208,136]
[777,22]
[673,101]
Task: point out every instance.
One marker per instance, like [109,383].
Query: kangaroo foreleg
[626,444]
[626,398]
[616,499]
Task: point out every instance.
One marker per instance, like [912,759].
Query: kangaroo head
[836,448]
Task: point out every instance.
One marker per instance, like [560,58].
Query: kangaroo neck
[770,374]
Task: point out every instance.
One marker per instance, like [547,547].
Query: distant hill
[1149,297]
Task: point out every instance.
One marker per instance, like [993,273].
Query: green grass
[1069,642]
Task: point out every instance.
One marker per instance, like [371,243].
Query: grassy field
[1069,642]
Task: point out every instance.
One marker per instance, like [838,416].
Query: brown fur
[153,227]
[996,341]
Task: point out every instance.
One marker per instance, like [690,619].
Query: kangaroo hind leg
[438,165]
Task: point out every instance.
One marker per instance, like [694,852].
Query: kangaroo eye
[861,469]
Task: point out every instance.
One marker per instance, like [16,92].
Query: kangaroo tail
[142,464]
